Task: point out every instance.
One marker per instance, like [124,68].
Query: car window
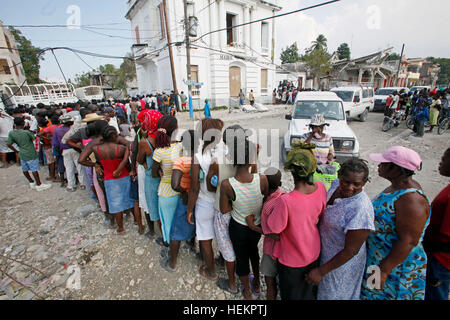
[330,109]
[365,93]
[371,93]
[346,96]
[384,92]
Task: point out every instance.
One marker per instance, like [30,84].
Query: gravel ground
[49,233]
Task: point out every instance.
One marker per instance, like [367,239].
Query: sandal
[223,284]
[161,242]
[83,187]
[121,233]
[205,273]
[252,278]
[164,262]
[71,189]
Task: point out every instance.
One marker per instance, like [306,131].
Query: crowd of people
[424,107]
[205,184]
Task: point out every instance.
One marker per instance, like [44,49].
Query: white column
[222,23]
[213,14]
[361,71]
[247,27]
[254,32]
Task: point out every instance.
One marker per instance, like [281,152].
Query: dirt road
[54,232]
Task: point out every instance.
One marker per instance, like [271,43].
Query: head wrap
[301,160]
[149,119]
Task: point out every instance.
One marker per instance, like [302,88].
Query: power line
[210,4]
[268,18]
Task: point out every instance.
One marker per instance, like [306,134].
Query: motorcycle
[392,121]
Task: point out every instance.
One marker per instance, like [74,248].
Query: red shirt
[439,228]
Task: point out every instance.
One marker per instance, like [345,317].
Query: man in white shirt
[395,101]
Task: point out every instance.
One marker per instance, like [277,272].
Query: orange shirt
[184,165]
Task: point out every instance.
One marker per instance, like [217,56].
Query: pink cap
[401,156]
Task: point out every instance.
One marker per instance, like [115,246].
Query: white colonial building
[225,62]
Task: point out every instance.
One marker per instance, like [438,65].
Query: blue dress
[207,111]
[151,189]
[407,280]
[355,213]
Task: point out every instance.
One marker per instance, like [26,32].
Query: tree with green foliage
[290,54]
[444,74]
[29,55]
[125,73]
[320,43]
[343,51]
[393,56]
[319,63]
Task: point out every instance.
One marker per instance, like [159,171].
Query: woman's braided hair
[355,166]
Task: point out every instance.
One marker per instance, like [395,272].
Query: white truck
[358,100]
[306,104]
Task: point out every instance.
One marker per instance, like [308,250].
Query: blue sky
[102,13]
[420,27]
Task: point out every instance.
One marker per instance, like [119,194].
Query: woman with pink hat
[396,260]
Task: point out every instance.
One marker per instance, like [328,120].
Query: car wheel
[363,116]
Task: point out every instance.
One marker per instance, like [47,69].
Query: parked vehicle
[392,121]
[418,88]
[382,94]
[306,104]
[358,100]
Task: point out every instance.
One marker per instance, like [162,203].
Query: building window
[8,44]
[138,37]
[231,21]
[264,81]
[161,17]
[16,70]
[265,37]
[194,73]
[4,67]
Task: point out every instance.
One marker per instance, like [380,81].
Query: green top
[24,139]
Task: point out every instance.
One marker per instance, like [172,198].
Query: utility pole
[188,48]
[169,41]
[399,65]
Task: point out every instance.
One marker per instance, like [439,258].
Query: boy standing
[27,154]
[268,264]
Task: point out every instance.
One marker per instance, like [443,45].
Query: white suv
[358,100]
[306,104]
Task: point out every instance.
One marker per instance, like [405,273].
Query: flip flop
[252,278]
[121,233]
[164,262]
[204,273]
[164,253]
[161,242]
[223,284]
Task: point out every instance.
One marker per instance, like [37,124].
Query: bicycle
[444,124]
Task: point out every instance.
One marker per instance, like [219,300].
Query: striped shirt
[166,157]
[324,147]
[184,165]
[248,200]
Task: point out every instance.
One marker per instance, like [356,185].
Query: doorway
[235,81]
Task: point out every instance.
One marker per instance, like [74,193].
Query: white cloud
[421,27]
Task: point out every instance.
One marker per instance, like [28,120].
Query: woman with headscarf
[295,218]
[396,260]
[344,228]
[147,145]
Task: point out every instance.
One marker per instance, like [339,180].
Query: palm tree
[320,43]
